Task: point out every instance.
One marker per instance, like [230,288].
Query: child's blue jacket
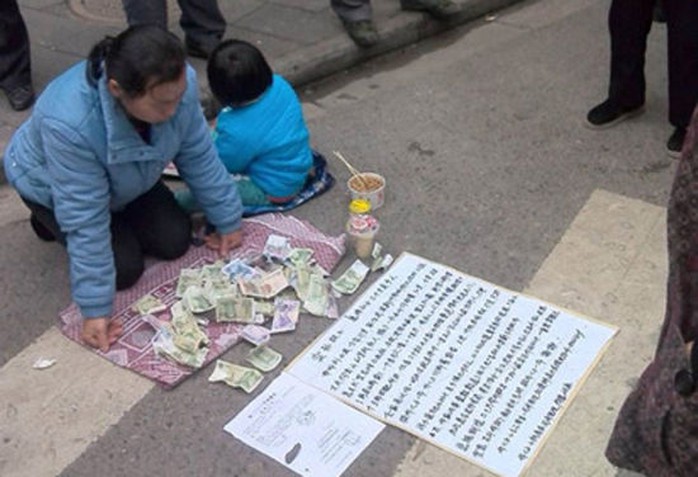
[267,140]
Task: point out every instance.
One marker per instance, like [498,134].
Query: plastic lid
[359,206]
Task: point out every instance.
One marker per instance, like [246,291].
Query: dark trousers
[202,20]
[153,224]
[15,66]
[629,23]
[352,10]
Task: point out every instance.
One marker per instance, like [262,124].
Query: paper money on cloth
[267,286]
[148,304]
[277,247]
[235,308]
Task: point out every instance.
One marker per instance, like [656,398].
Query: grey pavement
[302,39]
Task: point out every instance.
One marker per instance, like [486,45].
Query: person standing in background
[629,24]
[202,21]
[15,58]
[356,15]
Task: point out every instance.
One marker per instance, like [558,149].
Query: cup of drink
[362,230]
[368,185]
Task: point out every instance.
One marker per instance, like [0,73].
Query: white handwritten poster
[473,368]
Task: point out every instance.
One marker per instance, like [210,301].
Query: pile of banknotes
[266,292]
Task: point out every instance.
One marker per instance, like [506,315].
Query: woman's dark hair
[237,73]
[138,58]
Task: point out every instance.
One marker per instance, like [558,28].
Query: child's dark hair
[237,73]
[136,57]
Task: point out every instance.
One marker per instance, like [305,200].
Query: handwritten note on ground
[304,429]
[473,368]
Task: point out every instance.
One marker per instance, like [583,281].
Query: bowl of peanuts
[368,185]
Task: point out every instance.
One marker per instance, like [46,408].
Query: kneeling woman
[88,163]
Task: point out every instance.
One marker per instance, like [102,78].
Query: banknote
[187,277]
[264,358]
[217,288]
[213,271]
[350,280]
[383,262]
[277,247]
[300,256]
[286,314]
[163,345]
[186,333]
[235,308]
[148,304]
[299,279]
[237,268]
[318,295]
[267,286]
[255,334]
[236,376]
[196,300]
[265,307]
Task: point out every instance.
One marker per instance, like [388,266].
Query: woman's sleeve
[80,190]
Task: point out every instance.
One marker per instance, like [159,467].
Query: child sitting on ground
[260,133]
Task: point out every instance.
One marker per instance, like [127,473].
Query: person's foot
[439,9]
[363,32]
[20,97]
[200,49]
[609,114]
[675,142]
[40,230]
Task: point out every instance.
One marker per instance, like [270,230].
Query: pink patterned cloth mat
[134,350]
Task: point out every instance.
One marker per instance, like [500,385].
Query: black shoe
[40,230]
[21,97]
[363,32]
[439,9]
[675,142]
[199,49]
[609,114]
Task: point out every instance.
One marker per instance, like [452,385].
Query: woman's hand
[224,243]
[101,332]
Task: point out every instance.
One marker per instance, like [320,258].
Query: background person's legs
[629,23]
[203,25]
[352,10]
[15,58]
[146,12]
[682,38]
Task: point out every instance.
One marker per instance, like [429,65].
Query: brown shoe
[439,9]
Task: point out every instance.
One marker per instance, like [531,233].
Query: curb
[337,54]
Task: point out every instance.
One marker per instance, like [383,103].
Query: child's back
[260,132]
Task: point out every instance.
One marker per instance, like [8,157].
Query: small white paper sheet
[306,430]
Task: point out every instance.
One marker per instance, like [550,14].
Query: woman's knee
[128,270]
[176,242]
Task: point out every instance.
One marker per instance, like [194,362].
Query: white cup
[372,187]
